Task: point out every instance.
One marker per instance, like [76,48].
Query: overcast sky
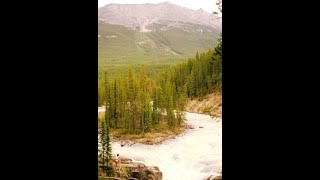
[207,5]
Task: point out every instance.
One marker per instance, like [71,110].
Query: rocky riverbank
[152,138]
[211,104]
[134,171]
[212,177]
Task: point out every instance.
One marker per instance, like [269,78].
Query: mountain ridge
[141,15]
[153,34]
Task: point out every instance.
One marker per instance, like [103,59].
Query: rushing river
[193,155]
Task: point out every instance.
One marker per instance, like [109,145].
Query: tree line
[138,103]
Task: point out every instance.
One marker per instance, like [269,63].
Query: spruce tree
[103,141]
[108,143]
[106,124]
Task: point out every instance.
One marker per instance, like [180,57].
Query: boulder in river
[200,127]
[140,170]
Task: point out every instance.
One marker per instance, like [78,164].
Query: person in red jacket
[117,160]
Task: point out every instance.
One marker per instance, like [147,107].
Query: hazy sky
[207,5]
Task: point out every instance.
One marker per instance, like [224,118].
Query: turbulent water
[193,155]
[101,109]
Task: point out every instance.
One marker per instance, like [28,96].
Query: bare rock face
[137,171]
[139,16]
[140,170]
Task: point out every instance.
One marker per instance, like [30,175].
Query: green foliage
[206,109]
[109,171]
[106,124]
[106,171]
[139,102]
[105,142]
[119,47]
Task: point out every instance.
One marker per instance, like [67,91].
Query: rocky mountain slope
[154,34]
[140,16]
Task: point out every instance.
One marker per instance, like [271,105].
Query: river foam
[193,155]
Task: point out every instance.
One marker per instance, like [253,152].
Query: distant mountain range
[161,33]
[139,16]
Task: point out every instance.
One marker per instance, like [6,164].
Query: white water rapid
[193,155]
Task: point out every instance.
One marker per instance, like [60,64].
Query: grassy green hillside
[119,46]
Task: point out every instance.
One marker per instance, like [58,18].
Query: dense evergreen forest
[139,103]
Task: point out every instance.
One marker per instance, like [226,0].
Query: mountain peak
[166,2]
[142,15]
